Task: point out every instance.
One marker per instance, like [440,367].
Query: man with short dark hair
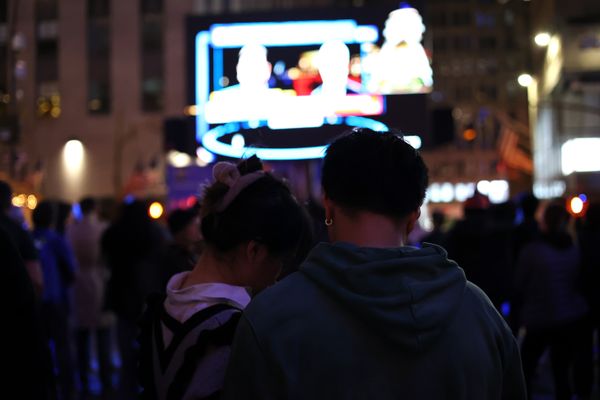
[367,317]
[21,239]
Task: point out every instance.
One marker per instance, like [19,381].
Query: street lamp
[525,80]
[542,39]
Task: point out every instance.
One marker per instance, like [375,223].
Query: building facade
[564,98]
[105,73]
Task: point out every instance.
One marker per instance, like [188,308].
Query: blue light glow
[76,210]
[202,89]
[211,141]
[583,197]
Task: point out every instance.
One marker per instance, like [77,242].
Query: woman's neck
[211,269]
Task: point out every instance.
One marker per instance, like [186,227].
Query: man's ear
[327,205]
[413,217]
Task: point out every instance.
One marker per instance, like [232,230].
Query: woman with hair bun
[251,223]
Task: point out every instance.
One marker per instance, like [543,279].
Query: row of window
[464,43]
[463,18]
[484,91]
[98,37]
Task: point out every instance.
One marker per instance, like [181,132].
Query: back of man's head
[87,205]
[5,196]
[376,172]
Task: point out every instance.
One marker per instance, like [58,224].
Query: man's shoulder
[289,297]
[480,304]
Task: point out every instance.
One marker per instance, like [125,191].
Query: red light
[577,205]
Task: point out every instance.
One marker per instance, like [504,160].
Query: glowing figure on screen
[253,69]
[333,63]
[401,65]
[251,98]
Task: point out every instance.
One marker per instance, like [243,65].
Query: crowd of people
[251,295]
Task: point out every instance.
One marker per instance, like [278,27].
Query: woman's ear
[256,252]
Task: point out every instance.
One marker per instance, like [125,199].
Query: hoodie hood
[408,295]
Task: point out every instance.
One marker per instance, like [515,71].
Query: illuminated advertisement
[300,74]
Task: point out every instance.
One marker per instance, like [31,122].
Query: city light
[580,155]
[205,157]
[19,201]
[32,202]
[238,141]
[179,159]
[542,39]
[577,205]
[155,211]
[73,155]
[525,80]
[469,134]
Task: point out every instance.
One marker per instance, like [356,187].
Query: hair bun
[226,173]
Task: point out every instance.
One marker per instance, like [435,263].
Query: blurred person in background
[525,232]
[437,235]
[589,239]
[84,235]
[28,372]
[132,246]
[251,224]
[59,268]
[554,309]
[469,243]
[21,239]
[182,252]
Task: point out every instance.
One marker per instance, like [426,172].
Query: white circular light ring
[210,140]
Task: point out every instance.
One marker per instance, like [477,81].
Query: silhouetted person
[84,234]
[367,317]
[59,268]
[470,244]
[437,235]
[589,238]
[132,246]
[554,309]
[21,239]
[181,253]
[250,222]
[28,368]
[500,253]
[526,231]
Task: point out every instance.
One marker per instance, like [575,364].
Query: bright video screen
[292,74]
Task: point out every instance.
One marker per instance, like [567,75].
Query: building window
[438,19]
[462,93]
[485,20]
[461,18]
[152,84]
[462,43]
[439,44]
[489,91]
[4,96]
[98,44]
[487,43]
[46,58]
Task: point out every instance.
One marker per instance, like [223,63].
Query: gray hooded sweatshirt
[366,323]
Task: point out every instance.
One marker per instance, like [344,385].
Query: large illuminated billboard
[284,75]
